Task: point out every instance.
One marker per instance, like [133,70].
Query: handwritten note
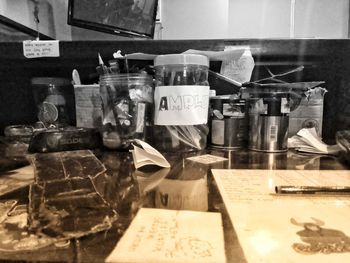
[259,185]
[40,48]
[159,235]
[270,227]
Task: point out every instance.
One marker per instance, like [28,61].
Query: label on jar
[181,105]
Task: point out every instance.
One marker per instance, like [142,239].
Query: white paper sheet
[161,236]
[263,220]
[181,105]
[41,48]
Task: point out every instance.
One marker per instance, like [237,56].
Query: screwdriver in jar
[101,68]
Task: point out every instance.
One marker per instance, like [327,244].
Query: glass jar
[181,102]
[55,102]
[127,104]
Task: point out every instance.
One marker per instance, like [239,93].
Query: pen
[336,190]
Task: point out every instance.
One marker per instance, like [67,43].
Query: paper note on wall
[159,235]
[40,48]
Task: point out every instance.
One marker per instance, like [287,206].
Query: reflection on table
[187,185]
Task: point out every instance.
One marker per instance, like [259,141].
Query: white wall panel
[259,18]
[194,19]
[321,18]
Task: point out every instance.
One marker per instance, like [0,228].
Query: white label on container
[273,133]
[181,105]
[40,48]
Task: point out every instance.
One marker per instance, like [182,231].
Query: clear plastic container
[181,102]
[127,108]
[54,98]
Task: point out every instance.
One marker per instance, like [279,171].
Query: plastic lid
[50,81]
[126,77]
[181,59]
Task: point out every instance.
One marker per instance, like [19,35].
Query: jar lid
[126,77]
[181,59]
[50,81]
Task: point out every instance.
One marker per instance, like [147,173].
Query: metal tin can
[228,123]
[268,122]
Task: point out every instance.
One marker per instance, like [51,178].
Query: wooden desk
[127,190]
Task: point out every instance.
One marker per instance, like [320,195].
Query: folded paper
[147,155]
[307,140]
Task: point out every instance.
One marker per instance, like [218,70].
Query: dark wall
[326,60]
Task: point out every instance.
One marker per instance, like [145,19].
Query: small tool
[101,68]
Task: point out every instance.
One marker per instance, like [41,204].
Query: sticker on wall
[40,48]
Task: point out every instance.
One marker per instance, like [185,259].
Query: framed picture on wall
[131,18]
[11,30]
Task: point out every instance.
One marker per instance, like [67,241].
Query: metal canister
[268,122]
[228,123]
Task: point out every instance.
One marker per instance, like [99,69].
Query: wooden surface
[128,189]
